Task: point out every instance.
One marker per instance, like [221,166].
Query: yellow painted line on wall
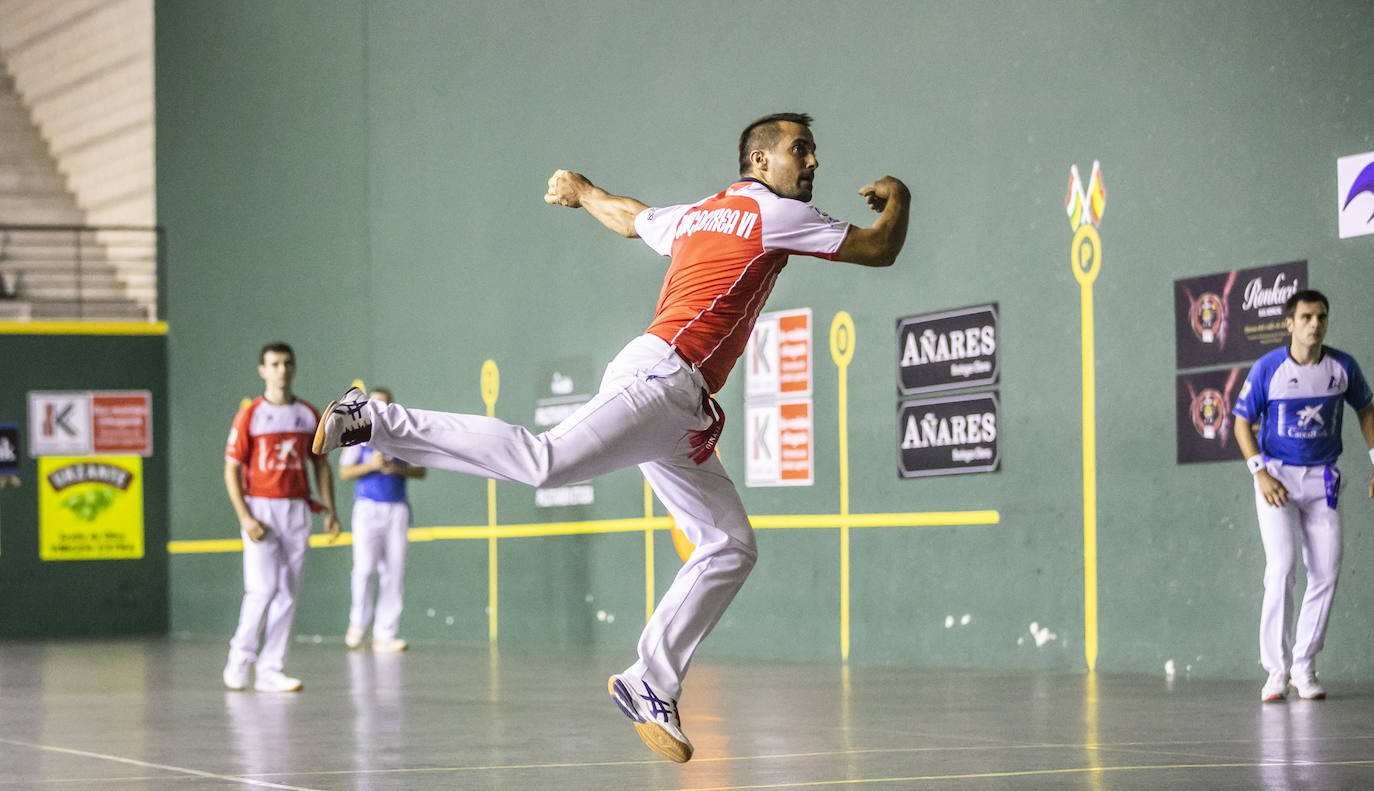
[206,545]
[1086,255]
[915,519]
[83,328]
[842,351]
[236,544]
[631,525]
[539,529]
[491,388]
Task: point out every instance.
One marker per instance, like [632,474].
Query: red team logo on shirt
[280,454]
[272,443]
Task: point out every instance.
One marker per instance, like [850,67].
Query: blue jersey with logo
[1299,406]
[375,486]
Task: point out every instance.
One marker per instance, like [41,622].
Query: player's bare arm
[375,463]
[1275,493]
[1366,417]
[324,484]
[879,245]
[575,190]
[403,469]
[233,483]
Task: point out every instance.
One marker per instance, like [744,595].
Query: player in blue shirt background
[381,526]
[1296,393]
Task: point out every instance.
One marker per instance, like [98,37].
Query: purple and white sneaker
[656,719]
[344,422]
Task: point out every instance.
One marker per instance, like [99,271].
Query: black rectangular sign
[563,387]
[948,436]
[948,350]
[1234,316]
[1204,427]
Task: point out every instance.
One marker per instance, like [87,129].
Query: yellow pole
[1086,255]
[491,388]
[842,351]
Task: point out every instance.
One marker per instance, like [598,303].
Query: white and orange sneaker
[276,681]
[344,422]
[1307,685]
[236,674]
[1275,689]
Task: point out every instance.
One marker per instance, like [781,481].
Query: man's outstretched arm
[879,245]
[574,190]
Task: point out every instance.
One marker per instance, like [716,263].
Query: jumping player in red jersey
[654,406]
[265,464]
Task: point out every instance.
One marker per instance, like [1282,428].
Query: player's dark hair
[278,347]
[764,133]
[386,391]
[1307,295]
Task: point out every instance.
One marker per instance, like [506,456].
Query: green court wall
[364,180]
[81,598]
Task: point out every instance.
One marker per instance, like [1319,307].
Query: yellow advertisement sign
[90,507]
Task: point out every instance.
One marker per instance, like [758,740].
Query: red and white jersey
[272,444]
[727,251]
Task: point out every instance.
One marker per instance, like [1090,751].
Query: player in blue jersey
[381,524]
[1295,395]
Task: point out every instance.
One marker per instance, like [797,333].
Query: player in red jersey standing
[265,473]
[654,406]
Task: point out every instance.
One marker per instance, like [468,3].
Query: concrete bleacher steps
[76,132]
[70,273]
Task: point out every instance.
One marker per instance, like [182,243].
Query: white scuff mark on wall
[1169,668]
[964,621]
[1041,634]
[949,621]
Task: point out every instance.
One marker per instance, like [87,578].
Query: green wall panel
[365,179]
[80,598]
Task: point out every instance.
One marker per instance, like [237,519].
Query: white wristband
[1256,463]
[1371,455]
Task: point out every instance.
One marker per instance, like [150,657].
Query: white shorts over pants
[649,399]
[1306,522]
[272,572]
[380,534]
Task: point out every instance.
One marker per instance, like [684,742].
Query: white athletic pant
[272,571]
[648,401]
[379,553]
[1306,521]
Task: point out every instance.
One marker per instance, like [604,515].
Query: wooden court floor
[151,714]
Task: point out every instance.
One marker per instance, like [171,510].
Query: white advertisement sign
[1355,194]
[60,424]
